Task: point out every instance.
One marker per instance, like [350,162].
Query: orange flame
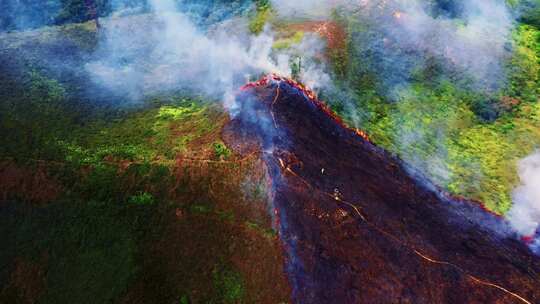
[312,96]
[464,200]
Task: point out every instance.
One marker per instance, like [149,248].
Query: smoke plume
[524,215]
[470,36]
[169,52]
[309,9]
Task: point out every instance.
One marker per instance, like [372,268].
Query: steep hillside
[137,166]
[106,200]
[359,228]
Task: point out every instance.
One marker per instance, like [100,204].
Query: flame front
[311,96]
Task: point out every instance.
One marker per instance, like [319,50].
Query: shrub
[229,285]
[221,151]
[142,199]
[261,16]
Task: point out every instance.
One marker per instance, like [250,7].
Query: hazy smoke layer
[166,51]
[311,9]
[399,41]
[524,215]
[472,37]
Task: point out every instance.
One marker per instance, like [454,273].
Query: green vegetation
[221,150]
[268,233]
[286,43]
[33,117]
[117,169]
[465,141]
[89,252]
[262,14]
[143,198]
[154,135]
[17,14]
[530,11]
[81,10]
[230,286]
[524,67]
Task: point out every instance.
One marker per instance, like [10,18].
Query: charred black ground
[359,228]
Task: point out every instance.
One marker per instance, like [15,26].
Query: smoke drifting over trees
[470,36]
[525,213]
[172,53]
[204,48]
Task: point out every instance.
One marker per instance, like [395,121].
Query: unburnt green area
[94,252]
[129,217]
[260,16]
[464,139]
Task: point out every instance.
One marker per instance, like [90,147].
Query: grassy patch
[221,151]
[286,43]
[89,248]
[142,198]
[229,285]
[262,15]
[267,233]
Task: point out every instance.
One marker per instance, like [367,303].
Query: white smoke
[524,216]
[477,42]
[310,9]
[170,53]
[394,39]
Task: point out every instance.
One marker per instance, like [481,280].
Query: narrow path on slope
[339,200]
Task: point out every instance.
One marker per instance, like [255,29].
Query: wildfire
[362,134]
[464,200]
[397,14]
[289,164]
[338,197]
[309,94]
[528,239]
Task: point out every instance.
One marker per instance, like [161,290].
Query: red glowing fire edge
[264,81]
[311,96]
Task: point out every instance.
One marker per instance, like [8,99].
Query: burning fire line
[311,96]
[337,197]
[418,253]
[479,203]
[321,105]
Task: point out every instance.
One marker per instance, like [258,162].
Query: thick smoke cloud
[524,215]
[471,36]
[166,51]
[27,14]
[23,14]
[476,44]
[310,9]
[465,42]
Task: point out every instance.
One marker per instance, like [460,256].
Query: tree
[83,10]
[92,11]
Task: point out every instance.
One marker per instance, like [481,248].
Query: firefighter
[337,194]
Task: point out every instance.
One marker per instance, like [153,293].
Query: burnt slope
[358,228]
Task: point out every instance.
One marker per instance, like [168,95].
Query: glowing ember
[362,134]
[332,32]
[464,200]
[528,239]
